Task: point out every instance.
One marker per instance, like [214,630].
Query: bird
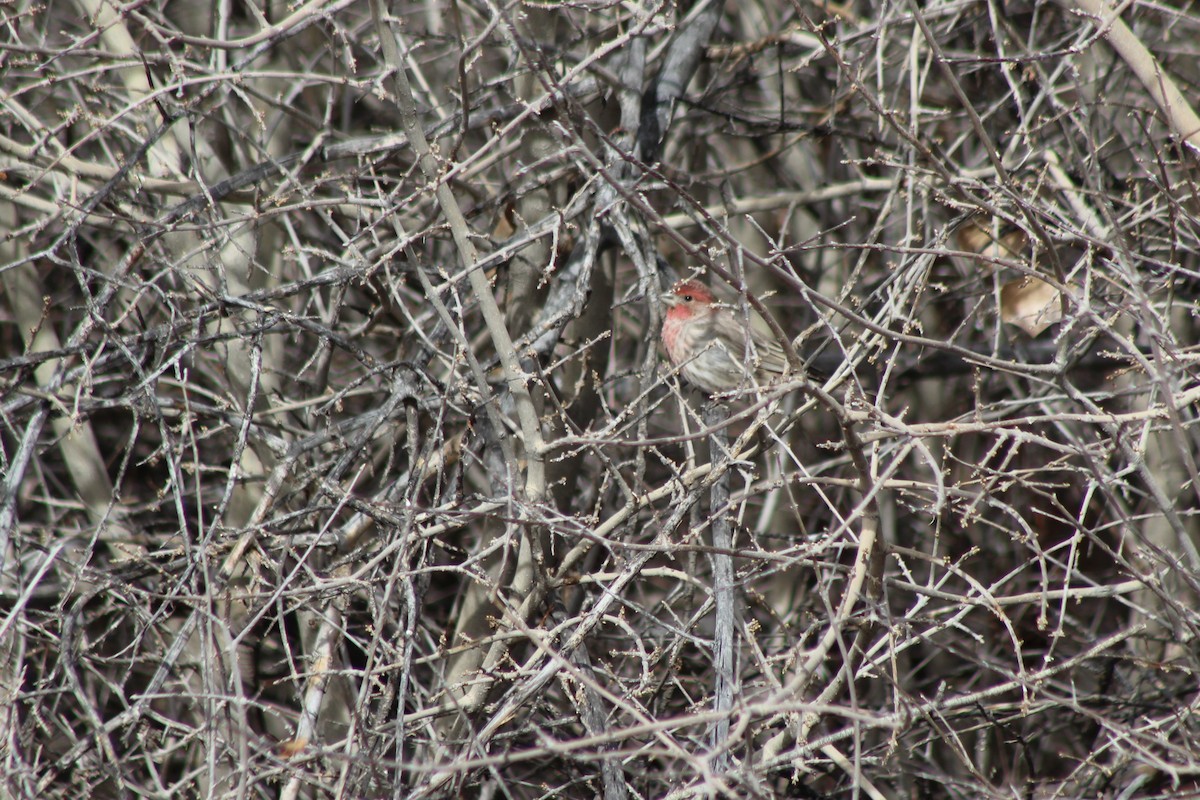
[711,345]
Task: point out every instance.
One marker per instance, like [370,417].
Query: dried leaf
[292,748]
[1031,304]
[983,235]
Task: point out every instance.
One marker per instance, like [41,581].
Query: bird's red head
[688,297]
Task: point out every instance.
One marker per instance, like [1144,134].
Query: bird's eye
[687,298]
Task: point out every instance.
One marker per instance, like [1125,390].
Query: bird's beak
[669,299]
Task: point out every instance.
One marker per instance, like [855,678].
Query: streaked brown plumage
[711,344]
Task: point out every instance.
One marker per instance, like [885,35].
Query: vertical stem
[725,681]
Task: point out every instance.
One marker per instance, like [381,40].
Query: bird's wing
[770,355]
[767,354]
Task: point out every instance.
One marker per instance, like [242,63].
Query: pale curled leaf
[1031,304]
[983,235]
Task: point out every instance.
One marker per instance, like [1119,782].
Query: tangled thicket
[340,459]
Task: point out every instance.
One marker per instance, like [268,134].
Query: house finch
[712,345]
